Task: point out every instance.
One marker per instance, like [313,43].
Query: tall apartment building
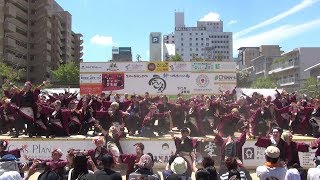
[290,67]
[36,35]
[207,40]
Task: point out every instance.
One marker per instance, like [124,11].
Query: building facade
[205,41]
[36,35]
[121,54]
[290,67]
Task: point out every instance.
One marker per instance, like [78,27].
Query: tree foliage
[7,72]
[243,79]
[176,58]
[265,83]
[68,73]
[311,87]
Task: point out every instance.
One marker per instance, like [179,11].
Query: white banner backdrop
[252,155]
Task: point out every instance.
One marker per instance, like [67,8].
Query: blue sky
[107,23]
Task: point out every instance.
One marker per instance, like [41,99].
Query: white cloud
[101,40]
[304,4]
[211,16]
[276,35]
[232,22]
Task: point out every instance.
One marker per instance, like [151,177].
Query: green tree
[243,79]
[7,72]
[68,73]
[311,87]
[176,57]
[267,83]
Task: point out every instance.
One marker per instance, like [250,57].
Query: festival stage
[161,147]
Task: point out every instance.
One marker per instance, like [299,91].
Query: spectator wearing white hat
[179,168]
[272,168]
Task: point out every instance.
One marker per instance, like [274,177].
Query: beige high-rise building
[36,35]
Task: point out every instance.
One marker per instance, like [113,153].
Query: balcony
[13,60]
[20,4]
[17,23]
[10,42]
[10,11]
[8,26]
[279,67]
[288,81]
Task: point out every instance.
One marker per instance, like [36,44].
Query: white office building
[207,40]
[169,48]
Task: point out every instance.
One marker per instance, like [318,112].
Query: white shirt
[314,173]
[293,174]
[276,173]
[10,175]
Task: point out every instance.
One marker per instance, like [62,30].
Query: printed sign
[90,89]
[225,66]
[112,81]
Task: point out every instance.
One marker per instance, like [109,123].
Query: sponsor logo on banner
[179,66]
[90,89]
[93,67]
[225,77]
[158,66]
[90,78]
[113,67]
[158,83]
[139,67]
[112,81]
[248,153]
[202,66]
[202,80]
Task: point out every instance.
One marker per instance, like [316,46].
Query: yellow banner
[158,67]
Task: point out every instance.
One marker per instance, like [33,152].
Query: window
[201,33]
[177,49]
[196,49]
[207,44]
[181,34]
[190,33]
[201,39]
[181,49]
[190,39]
[172,41]
[190,49]
[181,39]
[196,39]
[201,44]
[207,39]
[196,44]
[196,33]
[181,44]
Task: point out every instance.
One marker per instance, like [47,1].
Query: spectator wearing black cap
[107,172]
